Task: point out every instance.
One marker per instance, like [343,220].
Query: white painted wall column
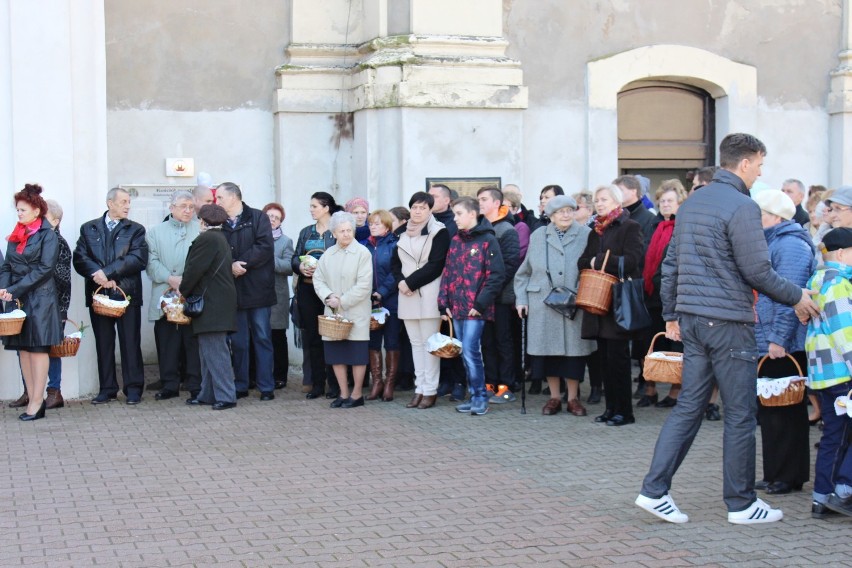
[840,108]
[53,99]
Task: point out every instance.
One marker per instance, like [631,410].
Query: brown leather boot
[376,375]
[54,398]
[21,402]
[391,367]
[415,401]
[428,401]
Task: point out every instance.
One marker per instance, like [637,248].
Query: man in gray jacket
[717,256]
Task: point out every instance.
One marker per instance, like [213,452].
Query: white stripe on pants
[427,367]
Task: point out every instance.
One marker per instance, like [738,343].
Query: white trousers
[427,367]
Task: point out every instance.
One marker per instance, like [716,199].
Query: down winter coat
[548,331]
[623,240]
[382,250]
[474,273]
[718,255]
[791,253]
[28,276]
[121,253]
[251,242]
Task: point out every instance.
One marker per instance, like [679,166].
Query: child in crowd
[472,280]
[829,348]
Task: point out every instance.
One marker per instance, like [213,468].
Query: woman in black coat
[27,275]
[615,232]
[208,273]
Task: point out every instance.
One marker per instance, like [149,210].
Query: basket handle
[653,340]
[16,300]
[606,259]
[450,321]
[117,288]
[73,322]
[790,357]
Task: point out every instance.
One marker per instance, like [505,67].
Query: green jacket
[168,245]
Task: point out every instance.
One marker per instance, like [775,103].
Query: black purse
[193,306]
[560,298]
[628,302]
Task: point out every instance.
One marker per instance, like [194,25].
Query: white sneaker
[759,512]
[664,507]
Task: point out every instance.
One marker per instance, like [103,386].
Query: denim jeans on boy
[54,373]
[833,469]
[469,332]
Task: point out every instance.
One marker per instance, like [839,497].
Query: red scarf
[22,233]
[601,223]
[654,256]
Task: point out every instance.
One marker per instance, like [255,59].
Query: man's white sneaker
[759,512]
[664,507]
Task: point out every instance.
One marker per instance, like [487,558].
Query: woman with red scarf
[616,232]
[669,197]
[27,275]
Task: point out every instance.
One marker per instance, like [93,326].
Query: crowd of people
[726,277]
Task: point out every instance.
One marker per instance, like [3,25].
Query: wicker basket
[309,279]
[450,350]
[594,293]
[793,394]
[334,327]
[662,370]
[69,345]
[375,325]
[12,326]
[174,313]
[109,311]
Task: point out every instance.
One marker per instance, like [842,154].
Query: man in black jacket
[716,257]
[795,190]
[112,253]
[441,210]
[250,235]
[633,192]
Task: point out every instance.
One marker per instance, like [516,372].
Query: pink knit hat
[356,202]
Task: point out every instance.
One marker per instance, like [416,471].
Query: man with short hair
[441,210]
[632,190]
[111,253]
[717,257]
[250,235]
[795,190]
[498,345]
[202,195]
[702,177]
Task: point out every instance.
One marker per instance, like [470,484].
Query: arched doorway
[665,130]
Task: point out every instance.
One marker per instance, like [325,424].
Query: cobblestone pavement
[292,482]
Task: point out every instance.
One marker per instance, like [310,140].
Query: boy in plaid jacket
[829,348]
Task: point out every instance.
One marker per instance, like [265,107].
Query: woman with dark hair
[27,275]
[616,233]
[417,264]
[280,317]
[207,273]
[313,241]
[399,217]
[548,192]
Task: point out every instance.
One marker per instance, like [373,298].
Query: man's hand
[776,351]
[238,268]
[100,278]
[174,282]
[110,284]
[673,330]
[806,308]
[522,311]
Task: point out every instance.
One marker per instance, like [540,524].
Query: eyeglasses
[837,209]
[189,207]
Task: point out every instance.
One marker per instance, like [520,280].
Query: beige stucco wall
[793,43]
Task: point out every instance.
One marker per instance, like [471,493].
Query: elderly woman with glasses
[168,245]
[343,281]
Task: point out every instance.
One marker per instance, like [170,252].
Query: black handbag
[628,302]
[560,298]
[193,306]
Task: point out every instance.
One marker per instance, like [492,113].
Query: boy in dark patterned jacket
[472,280]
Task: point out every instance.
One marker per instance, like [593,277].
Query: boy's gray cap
[841,195]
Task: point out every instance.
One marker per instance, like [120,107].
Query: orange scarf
[22,233]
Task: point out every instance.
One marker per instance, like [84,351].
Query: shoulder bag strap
[214,274]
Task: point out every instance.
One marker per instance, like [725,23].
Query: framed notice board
[464,185]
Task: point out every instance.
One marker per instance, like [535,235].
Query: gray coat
[283,268]
[549,332]
[718,254]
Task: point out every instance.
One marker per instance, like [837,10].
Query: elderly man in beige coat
[344,281]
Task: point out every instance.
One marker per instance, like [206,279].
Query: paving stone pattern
[293,482]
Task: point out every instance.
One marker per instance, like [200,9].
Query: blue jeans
[469,332]
[253,323]
[54,373]
[833,468]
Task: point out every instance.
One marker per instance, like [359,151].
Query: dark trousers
[310,306]
[498,347]
[176,343]
[280,354]
[129,336]
[614,358]
[715,353]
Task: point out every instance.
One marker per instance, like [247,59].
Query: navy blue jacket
[383,279]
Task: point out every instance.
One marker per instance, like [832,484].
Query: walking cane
[523,367]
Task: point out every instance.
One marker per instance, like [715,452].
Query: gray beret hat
[557,203]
